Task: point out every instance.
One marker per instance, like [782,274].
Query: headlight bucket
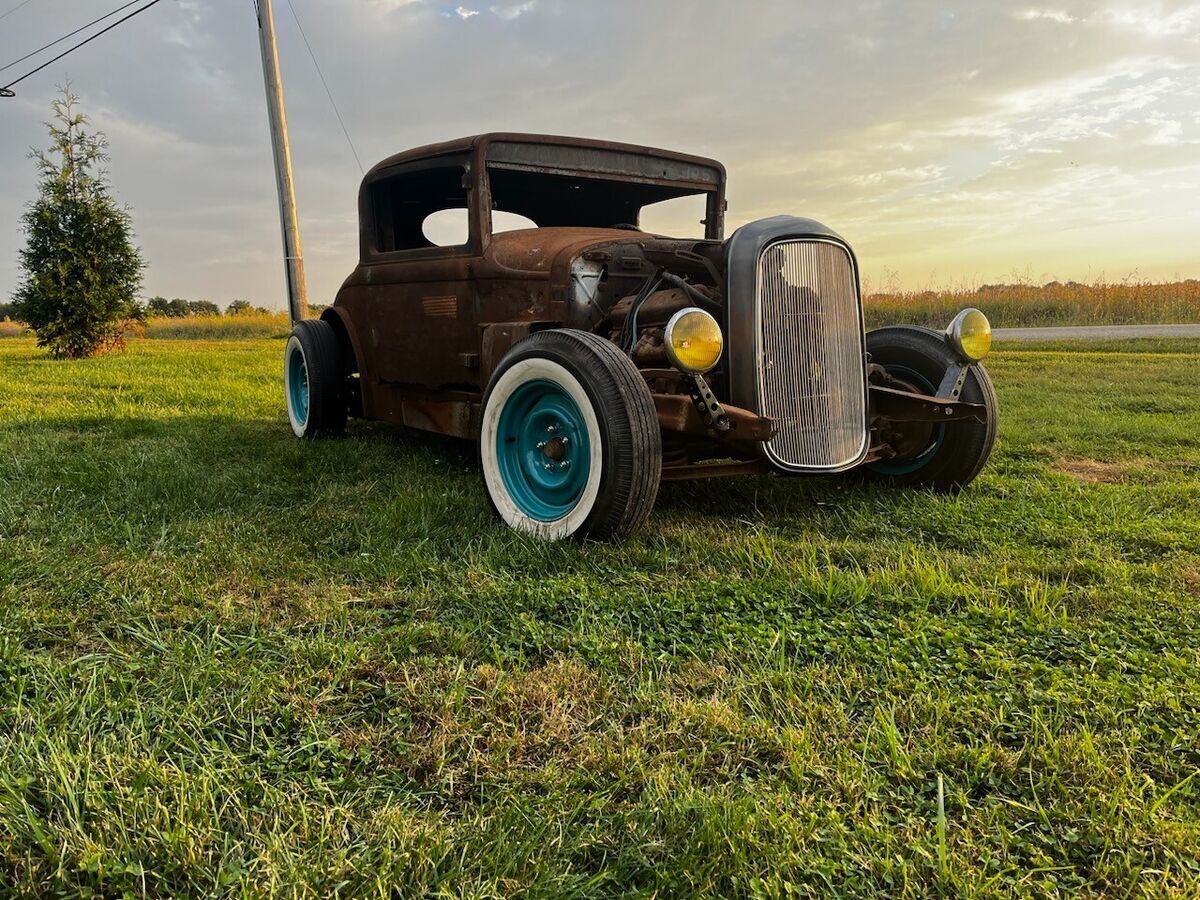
[970,335]
[693,340]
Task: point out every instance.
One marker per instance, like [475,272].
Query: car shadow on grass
[173,470]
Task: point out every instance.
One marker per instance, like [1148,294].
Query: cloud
[864,44]
[510,11]
[1166,131]
[463,13]
[1155,22]
[1049,15]
[900,176]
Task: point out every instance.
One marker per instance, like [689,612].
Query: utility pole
[289,222]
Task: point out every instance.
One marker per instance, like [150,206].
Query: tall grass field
[236,664]
[1023,305]
[215,328]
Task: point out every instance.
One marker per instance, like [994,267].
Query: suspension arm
[903,406]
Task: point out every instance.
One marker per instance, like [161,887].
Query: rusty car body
[421,329]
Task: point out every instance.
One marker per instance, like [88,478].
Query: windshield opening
[578,200]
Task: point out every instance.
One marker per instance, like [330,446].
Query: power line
[325,84]
[7,89]
[72,34]
[15,8]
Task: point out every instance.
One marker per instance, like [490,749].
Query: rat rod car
[591,359]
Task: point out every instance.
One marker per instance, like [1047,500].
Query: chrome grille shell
[810,354]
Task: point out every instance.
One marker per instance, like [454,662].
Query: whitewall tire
[569,438]
[315,381]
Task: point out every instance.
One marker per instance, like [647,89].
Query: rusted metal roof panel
[606,150]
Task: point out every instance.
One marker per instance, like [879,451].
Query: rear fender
[347,337]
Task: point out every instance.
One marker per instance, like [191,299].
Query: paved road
[1095,332]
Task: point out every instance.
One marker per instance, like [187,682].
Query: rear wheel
[570,444]
[944,457]
[314,381]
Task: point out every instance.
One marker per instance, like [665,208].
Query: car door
[416,296]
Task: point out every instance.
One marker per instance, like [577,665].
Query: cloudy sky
[951,143]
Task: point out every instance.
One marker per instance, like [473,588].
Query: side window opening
[451,227]
[677,216]
[505,221]
[447,228]
[422,209]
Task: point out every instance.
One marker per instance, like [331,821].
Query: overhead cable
[325,84]
[6,91]
[15,8]
[69,35]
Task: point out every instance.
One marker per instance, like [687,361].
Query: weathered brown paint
[429,325]
[497,339]
[440,318]
[677,412]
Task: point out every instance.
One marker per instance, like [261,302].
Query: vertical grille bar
[811,371]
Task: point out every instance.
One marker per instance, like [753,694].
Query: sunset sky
[950,143]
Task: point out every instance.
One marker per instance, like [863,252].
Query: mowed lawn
[232,663]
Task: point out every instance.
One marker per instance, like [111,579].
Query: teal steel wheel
[922,459]
[315,376]
[297,383]
[542,450]
[569,442]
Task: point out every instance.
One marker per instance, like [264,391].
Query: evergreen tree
[81,269]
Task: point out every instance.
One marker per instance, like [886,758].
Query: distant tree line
[178,308]
[182,309]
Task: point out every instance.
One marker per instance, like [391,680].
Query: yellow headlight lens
[971,334]
[693,340]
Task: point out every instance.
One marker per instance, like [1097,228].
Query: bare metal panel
[811,371]
[601,161]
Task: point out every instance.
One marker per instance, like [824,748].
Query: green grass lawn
[233,663]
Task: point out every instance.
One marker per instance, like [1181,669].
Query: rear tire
[314,381]
[570,444]
[955,452]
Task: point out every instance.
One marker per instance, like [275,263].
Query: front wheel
[943,457]
[314,381]
[570,444]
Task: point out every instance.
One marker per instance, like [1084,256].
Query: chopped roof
[467,144]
